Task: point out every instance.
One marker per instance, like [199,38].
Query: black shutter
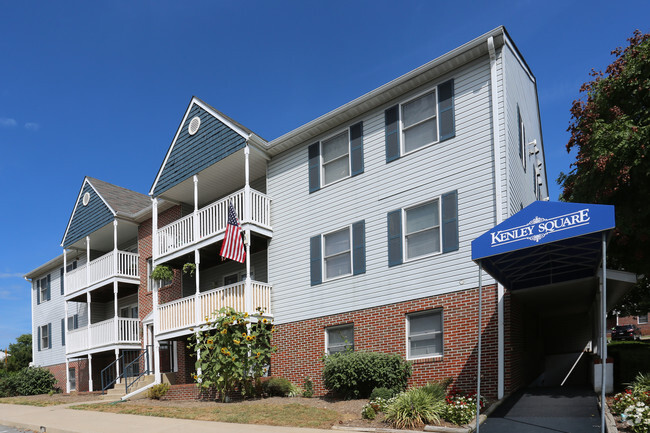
[395,237]
[391,130]
[521,139]
[61,280]
[450,221]
[62,332]
[39,338]
[49,335]
[446,110]
[314,167]
[315,260]
[49,293]
[359,248]
[356,148]
[38,292]
[76,321]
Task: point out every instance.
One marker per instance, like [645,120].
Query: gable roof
[105,202]
[217,137]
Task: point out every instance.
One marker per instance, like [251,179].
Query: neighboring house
[357,225]
[640,320]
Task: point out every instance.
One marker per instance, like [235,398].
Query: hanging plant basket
[162,273]
[189,268]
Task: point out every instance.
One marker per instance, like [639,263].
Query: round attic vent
[86,198]
[194,125]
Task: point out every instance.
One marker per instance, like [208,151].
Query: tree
[610,130]
[20,353]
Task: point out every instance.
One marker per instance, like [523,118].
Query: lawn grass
[29,402]
[288,415]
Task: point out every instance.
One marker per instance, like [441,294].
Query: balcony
[105,333]
[211,221]
[118,264]
[182,313]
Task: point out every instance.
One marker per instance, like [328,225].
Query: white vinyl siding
[424,334]
[461,163]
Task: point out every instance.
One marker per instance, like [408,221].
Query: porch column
[67,375]
[155,344]
[248,295]
[65,271]
[88,301]
[117,365]
[115,261]
[197,293]
[154,230]
[65,323]
[90,372]
[195,222]
[116,319]
[87,260]
[247,187]
[603,335]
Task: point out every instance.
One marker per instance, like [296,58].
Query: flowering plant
[461,408]
[233,351]
[638,417]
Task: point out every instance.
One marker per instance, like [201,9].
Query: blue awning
[545,243]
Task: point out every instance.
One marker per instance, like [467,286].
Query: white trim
[441,332]
[406,259]
[322,164]
[322,257]
[401,120]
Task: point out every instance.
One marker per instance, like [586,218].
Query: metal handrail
[109,376]
[130,366]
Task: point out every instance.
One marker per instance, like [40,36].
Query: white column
[195,222]
[90,372]
[117,365]
[115,263]
[88,299]
[67,374]
[197,305]
[87,260]
[156,325]
[247,187]
[248,294]
[65,317]
[65,270]
[154,229]
[115,311]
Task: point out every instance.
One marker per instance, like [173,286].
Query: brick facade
[81,371]
[629,320]
[383,329]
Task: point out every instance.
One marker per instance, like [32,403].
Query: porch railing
[112,264]
[212,220]
[103,334]
[182,314]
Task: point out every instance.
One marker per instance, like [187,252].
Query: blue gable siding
[87,219]
[193,153]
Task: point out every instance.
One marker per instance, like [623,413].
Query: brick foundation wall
[383,329]
[81,372]
[189,392]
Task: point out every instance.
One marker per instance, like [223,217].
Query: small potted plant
[162,273]
[189,268]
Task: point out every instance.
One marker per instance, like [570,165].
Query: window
[642,319]
[336,157]
[339,339]
[73,322]
[422,230]
[45,337]
[71,266]
[424,331]
[522,139]
[424,120]
[72,378]
[149,279]
[337,254]
[129,311]
[43,290]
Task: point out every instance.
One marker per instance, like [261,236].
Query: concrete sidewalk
[58,419]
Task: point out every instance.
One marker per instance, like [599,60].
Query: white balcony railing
[212,221]
[102,334]
[112,264]
[182,313]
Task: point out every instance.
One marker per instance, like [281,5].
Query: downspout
[498,208]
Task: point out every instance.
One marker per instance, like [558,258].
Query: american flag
[233,246]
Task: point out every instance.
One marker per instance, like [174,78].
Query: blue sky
[99,88]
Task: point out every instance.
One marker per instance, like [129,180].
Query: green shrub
[28,381]
[641,383]
[277,386]
[308,392]
[368,412]
[382,392]
[414,409]
[356,374]
[437,389]
[158,391]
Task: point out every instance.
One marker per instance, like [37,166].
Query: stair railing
[133,370]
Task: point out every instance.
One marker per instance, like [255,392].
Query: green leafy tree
[234,351]
[20,353]
[610,132]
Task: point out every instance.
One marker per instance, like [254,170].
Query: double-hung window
[339,338]
[422,230]
[421,121]
[336,157]
[642,319]
[45,337]
[424,332]
[43,289]
[337,253]
[335,152]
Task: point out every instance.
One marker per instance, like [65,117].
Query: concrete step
[118,391]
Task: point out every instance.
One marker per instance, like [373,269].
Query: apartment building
[357,229]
